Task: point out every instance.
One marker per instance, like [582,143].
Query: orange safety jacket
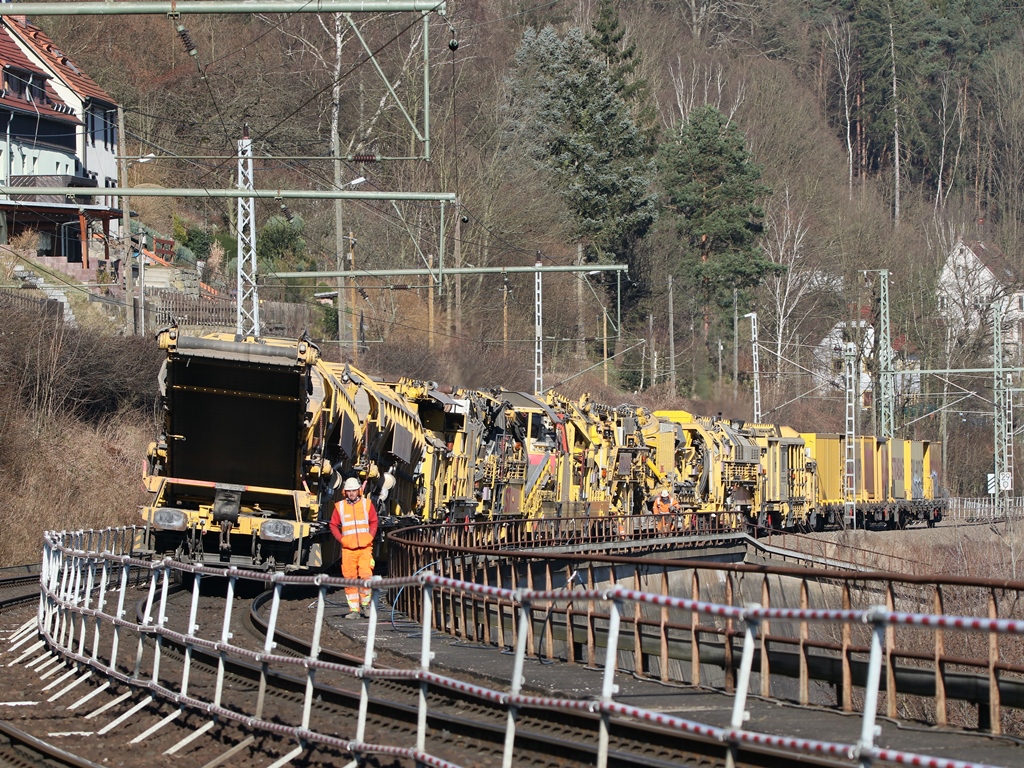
[663,507]
[354,524]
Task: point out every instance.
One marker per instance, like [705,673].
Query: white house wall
[967,289]
[29,160]
[94,156]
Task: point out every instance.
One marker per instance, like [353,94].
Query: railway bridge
[552,642]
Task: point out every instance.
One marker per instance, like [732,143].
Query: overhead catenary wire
[191,49]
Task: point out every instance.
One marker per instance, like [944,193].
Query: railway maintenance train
[258,435]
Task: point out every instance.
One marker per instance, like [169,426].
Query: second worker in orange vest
[354,524]
[664,508]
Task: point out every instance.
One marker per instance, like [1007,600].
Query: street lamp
[339,249]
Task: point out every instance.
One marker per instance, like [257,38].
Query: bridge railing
[969,680]
[85,587]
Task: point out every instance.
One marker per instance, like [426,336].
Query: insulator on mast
[186,40]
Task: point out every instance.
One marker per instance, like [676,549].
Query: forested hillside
[766,157]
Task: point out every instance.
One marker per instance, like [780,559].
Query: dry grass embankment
[76,414]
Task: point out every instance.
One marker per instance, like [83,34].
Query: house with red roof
[57,129]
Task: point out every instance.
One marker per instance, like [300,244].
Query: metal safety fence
[985,509]
[967,680]
[85,586]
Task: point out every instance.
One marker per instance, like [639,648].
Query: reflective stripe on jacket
[354,525]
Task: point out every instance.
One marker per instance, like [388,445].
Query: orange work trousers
[357,564]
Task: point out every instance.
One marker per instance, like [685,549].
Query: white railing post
[426,656]
[225,636]
[739,702]
[147,619]
[87,599]
[314,652]
[517,682]
[608,687]
[101,602]
[76,597]
[368,659]
[268,645]
[186,668]
[116,641]
[869,729]
[60,614]
[161,620]
[48,615]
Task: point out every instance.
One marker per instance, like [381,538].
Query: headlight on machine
[277,530]
[167,519]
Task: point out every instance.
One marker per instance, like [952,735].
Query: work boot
[353,615]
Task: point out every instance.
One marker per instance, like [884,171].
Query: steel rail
[18,742]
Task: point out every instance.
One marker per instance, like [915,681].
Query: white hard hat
[352,484]
[664,494]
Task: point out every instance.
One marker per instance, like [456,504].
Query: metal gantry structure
[852,376]
[247,313]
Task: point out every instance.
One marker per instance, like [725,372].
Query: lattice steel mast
[247,316]
[1002,413]
[886,375]
[757,366]
[850,471]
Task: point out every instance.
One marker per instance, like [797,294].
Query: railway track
[540,733]
[461,730]
[19,749]
[195,677]
[459,725]
[18,585]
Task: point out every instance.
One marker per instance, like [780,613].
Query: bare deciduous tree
[951,118]
[790,297]
[1007,110]
[706,85]
[841,39]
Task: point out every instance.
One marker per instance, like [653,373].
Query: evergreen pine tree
[711,190]
[582,131]
[622,63]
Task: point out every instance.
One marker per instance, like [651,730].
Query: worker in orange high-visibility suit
[354,524]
